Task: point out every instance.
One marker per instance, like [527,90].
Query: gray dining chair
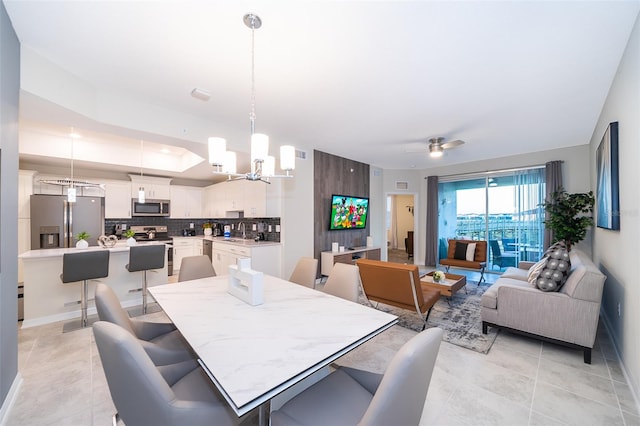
[84,266]
[143,394]
[196,267]
[349,396]
[305,272]
[161,340]
[344,282]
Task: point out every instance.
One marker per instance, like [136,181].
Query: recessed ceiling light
[165,150]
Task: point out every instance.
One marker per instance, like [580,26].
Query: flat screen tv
[348,212]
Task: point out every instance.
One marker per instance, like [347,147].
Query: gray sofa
[568,317]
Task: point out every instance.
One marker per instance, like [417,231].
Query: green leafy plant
[129,233]
[569,215]
[206,225]
[83,236]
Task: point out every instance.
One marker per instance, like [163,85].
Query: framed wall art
[607,195]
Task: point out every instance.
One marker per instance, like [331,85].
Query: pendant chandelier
[262,164]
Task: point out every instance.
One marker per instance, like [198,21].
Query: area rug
[460,319]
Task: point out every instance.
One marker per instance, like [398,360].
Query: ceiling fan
[437,146]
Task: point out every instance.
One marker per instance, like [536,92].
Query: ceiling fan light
[435,150]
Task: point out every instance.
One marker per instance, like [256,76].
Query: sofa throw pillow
[471,251]
[535,270]
[461,251]
[556,270]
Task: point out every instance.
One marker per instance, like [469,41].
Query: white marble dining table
[253,353]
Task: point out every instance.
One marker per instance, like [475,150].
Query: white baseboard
[11,398]
[634,391]
[65,316]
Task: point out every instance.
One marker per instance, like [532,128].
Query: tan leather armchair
[397,285]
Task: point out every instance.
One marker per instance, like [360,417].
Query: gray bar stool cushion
[161,340]
[87,265]
[196,267]
[141,393]
[351,396]
[143,258]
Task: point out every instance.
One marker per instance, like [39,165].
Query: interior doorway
[400,224]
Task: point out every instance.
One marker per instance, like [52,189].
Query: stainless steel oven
[150,208]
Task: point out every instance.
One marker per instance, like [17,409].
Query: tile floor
[521,381]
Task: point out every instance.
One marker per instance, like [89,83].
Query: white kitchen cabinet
[234,195]
[264,258]
[198,247]
[182,247]
[117,200]
[225,254]
[255,199]
[154,188]
[186,202]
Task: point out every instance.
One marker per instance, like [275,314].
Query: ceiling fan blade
[452,144]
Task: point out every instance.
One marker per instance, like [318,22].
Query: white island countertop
[121,246]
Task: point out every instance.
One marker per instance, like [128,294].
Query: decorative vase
[207,231]
[82,244]
[131,241]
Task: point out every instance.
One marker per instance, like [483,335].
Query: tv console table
[329,258]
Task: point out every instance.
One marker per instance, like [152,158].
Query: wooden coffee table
[450,285]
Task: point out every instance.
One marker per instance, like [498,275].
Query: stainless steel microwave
[150,208]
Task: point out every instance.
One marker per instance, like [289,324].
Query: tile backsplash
[175,226]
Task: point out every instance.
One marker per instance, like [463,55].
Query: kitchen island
[47,299]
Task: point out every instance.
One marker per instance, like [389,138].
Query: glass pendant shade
[71,194]
[229,163]
[269,166]
[259,147]
[217,149]
[287,157]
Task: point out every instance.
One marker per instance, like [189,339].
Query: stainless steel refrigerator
[55,222]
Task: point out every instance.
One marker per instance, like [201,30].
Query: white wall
[616,252]
[297,215]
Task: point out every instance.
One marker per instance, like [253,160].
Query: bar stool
[84,266]
[143,258]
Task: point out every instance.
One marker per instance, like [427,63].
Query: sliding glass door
[502,208]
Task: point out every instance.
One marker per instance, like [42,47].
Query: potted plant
[569,215]
[207,228]
[130,240]
[82,238]
[438,276]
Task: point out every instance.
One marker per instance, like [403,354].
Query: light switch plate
[269,228]
[254,227]
[277,228]
[191,225]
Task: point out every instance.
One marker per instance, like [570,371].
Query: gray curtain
[553,182]
[431,255]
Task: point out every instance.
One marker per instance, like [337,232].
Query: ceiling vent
[402,186]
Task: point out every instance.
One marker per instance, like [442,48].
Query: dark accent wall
[337,175]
